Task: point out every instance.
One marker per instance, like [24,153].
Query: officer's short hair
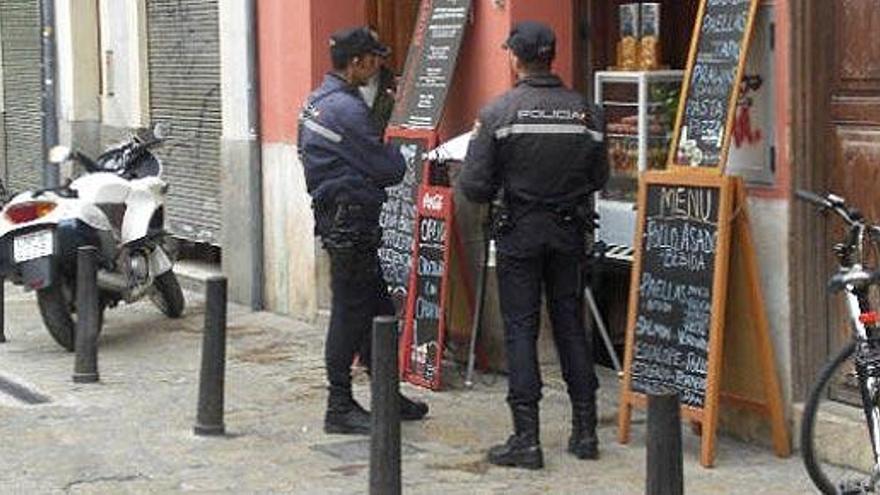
[347,44]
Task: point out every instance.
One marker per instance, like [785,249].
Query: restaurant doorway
[394,21]
[598,31]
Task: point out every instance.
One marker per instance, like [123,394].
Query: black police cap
[357,41]
[532,41]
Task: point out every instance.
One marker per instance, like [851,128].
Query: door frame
[811,38]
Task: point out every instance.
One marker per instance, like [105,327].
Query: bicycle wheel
[837,459]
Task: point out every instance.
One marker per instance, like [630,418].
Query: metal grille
[23,125]
[184,59]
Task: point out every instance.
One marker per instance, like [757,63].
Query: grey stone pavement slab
[132,433]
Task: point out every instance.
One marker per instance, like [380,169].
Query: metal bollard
[209,420]
[665,475]
[2,311]
[85,369]
[385,407]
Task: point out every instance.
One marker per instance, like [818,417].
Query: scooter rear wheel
[57,308]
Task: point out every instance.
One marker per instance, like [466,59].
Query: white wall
[770,233]
[79,73]
[124,32]
[234,77]
[290,254]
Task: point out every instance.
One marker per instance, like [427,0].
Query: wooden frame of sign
[708,59]
[680,289]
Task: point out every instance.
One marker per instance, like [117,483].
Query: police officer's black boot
[523,448]
[584,443]
[344,414]
[412,410]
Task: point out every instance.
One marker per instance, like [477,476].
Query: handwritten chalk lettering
[720,23]
[429,289]
[432,230]
[432,202]
[653,371]
[684,261]
[427,309]
[687,203]
[648,328]
[659,354]
[686,238]
[654,306]
[653,287]
[686,381]
[690,340]
[696,364]
[429,267]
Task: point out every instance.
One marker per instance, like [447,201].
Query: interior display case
[640,108]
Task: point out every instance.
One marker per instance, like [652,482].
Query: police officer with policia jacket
[347,168]
[542,146]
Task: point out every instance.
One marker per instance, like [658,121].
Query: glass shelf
[640,108]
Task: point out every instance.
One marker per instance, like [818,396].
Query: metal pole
[85,368]
[481,298]
[209,420]
[385,417]
[665,475]
[603,330]
[256,160]
[2,311]
[50,112]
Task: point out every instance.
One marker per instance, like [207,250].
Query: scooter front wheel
[167,295]
[57,308]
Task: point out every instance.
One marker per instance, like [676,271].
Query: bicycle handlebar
[851,216]
[812,197]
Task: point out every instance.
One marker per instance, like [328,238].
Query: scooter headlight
[30,211]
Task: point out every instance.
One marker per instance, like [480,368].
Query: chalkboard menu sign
[424,333]
[673,317]
[694,261]
[717,58]
[430,268]
[398,217]
[430,63]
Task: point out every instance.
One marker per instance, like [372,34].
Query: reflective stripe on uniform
[507,131]
[322,131]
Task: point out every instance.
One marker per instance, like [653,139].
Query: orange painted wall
[327,17]
[294,56]
[483,70]
[558,14]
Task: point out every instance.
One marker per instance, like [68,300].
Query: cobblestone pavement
[132,433]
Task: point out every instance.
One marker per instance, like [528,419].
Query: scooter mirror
[160,130]
[59,154]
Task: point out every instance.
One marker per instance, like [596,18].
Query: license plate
[34,245]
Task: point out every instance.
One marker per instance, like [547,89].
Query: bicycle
[858,362]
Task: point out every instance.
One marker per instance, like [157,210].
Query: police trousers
[521,281]
[359,294]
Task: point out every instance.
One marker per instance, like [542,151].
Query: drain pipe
[256,155]
[49,96]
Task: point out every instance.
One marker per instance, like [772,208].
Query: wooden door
[852,128]
[395,21]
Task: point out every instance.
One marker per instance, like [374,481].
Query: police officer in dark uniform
[347,168]
[542,146]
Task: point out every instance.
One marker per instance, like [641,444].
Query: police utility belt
[506,213]
[346,226]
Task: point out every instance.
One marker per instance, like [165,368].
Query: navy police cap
[532,41]
[353,42]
